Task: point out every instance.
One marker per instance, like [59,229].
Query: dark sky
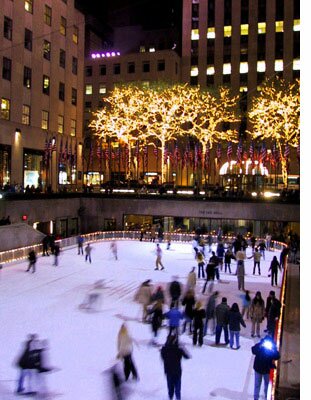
[149,13]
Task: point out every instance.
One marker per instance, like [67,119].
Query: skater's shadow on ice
[229,394]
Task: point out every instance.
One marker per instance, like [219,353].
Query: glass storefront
[5,165]
[34,171]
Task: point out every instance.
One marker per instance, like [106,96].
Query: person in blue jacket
[174,317]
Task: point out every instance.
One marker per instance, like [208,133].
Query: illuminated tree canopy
[161,113]
[275,115]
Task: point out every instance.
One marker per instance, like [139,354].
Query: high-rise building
[41,87]
[240,43]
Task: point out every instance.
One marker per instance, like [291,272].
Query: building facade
[41,86]
[240,42]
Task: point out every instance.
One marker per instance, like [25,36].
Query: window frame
[6,68]
[7,28]
[26,115]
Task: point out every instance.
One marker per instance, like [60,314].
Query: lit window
[45,119]
[278,65]
[296,64]
[210,70]
[46,49]
[63,25]
[226,69]
[195,34]
[243,89]
[27,77]
[142,49]
[261,27]
[244,29]
[60,124]
[194,71]
[243,68]
[26,115]
[73,127]
[46,85]
[227,31]
[48,15]
[151,49]
[88,89]
[261,66]
[211,33]
[75,34]
[5,108]
[279,26]
[296,27]
[102,88]
[29,6]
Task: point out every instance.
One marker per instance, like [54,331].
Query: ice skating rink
[82,344]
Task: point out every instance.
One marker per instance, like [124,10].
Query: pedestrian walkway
[83,344]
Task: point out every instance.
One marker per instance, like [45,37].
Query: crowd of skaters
[184,309]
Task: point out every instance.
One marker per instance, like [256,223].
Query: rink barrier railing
[21,253]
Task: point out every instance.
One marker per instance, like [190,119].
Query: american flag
[218,152]
[263,153]
[252,151]
[99,150]
[145,151]
[206,158]
[165,155]
[229,151]
[196,158]
[107,153]
[275,153]
[239,151]
[60,154]
[176,154]
[46,151]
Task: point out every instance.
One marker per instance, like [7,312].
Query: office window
[74,65]
[195,34]
[261,28]
[210,70]
[131,67]
[102,88]
[279,26]
[60,124]
[161,65]
[62,58]
[63,26]
[228,12]
[7,28]
[227,31]
[88,71]
[243,68]
[226,69]
[88,106]
[262,9]
[27,77]
[46,85]
[44,119]
[146,66]
[211,13]
[5,108]
[29,6]
[48,15]
[244,29]
[211,33]
[75,34]
[61,91]
[74,96]
[88,89]
[6,68]
[194,71]
[47,50]
[26,115]
[117,69]
[73,127]
[278,65]
[102,69]
[244,11]
[279,46]
[28,39]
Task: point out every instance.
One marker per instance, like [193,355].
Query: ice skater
[24,364]
[125,350]
[114,249]
[88,251]
[93,298]
[159,258]
[80,241]
[56,254]
[32,258]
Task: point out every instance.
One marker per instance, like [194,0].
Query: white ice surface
[82,344]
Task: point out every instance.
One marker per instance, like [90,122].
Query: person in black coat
[156,319]
[235,322]
[56,254]
[210,276]
[265,353]
[228,257]
[283,257]
[172,354]
[24,363]
[175,290]
[45,245]
[188,301]
[198,316]
[274,267]
[32,258]
[273,315]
